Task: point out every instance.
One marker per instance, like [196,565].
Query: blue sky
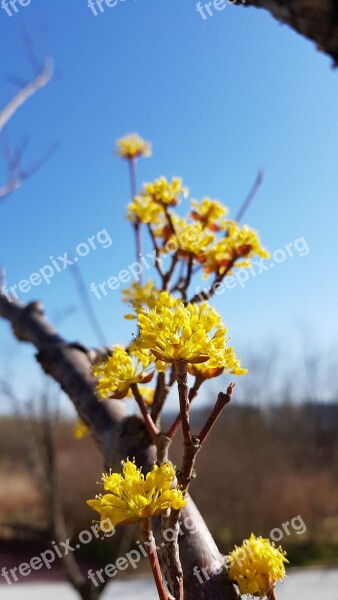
[219,99]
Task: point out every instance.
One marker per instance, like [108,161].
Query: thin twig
[149,542]
[257,184]
[192,394]
[136,224]
[181,369]
[22,96]
[221,402]
[145,414]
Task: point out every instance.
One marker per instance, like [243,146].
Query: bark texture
[317,20]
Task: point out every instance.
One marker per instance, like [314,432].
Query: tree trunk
[317,20]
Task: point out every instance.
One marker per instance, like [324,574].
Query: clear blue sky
[219,99]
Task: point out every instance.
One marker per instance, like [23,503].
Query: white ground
[309,584]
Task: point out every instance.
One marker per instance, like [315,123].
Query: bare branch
[26,92]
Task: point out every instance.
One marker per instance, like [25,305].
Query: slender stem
[248,200]
[148,538]
[147,418]
[136,224]
[271,594]
[221,402]
[181,370]
[192,395]
[158,260]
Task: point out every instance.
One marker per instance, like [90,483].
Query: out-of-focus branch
[16,173]
[69,365]
[26,92]
[316,20]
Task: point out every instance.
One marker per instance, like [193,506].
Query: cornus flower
[120,371]
[133,146]
[191,333]
[145,297]
[207,371]
[144,210]
[147,394]
[209,212]
[132,496]
[239,243]
[166,192]
[80,430]
[257,565]
[191,239]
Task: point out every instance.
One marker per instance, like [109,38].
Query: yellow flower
[133,146]
[144,297]
[239,243]
[147,394]
[80,429]
[209,213]
[144,210]
[191,239]
[193,333]
[165,192]
[116,375]
[132,496]
[207,371]
[257,565]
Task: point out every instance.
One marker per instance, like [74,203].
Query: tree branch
[316,20]
[118,436]
[26,92]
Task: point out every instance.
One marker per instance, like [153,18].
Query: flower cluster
[144,210]
[145,297]
[191,333]
[190,239]
[237,248]
[257,565]
[166,193]
[120,371]
[132,496]
[210,213]
[133,146]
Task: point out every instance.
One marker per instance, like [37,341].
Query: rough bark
[317,20]
[117,435]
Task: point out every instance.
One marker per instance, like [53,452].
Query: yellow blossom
[191,239]
[80,429]
[166,192]
[144,297]
[209,212]
[207,371]
[239,243]
[133,146]
[193,333]
[257,565]
[116,374]
[132,496]
[144,210]
[147,394]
